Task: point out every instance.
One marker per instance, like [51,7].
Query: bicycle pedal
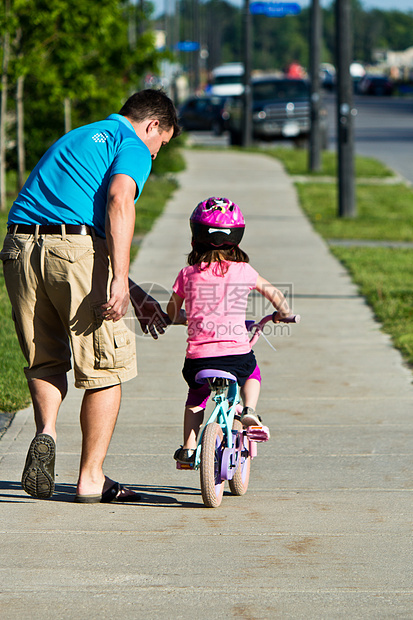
[184,466]
[258,433]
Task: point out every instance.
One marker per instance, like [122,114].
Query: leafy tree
[88,56]
[5,27]
[396,29]
[372,30]
[280,41]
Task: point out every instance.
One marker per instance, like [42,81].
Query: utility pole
[315,102]
[345,112]
[247,95]
[197,52]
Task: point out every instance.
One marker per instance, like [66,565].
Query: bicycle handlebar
[257,327]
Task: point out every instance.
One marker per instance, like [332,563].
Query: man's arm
[120,225]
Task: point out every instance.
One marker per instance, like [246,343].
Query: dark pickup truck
[280,110]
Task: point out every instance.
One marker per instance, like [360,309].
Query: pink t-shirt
[216,305]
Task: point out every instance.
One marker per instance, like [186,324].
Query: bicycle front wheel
[239,483]
[212,485]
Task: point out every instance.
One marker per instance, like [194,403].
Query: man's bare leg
[38,472]
[47,396]
[98,415]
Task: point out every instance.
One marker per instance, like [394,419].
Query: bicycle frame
[227,399]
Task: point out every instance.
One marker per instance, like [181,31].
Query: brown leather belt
[50,229]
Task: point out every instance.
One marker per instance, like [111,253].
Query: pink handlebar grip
[294,318]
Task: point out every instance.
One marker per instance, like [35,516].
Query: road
[383,129]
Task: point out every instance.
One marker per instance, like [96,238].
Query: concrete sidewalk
[325,529]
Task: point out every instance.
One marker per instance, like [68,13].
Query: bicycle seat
[203,375]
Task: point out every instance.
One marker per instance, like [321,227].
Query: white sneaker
[250,418]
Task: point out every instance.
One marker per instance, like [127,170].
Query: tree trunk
[3,111]
[21,152]
[68,114]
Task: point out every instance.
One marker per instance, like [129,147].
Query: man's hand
[116,307]
[149,313]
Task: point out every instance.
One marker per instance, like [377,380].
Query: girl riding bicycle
[215,287]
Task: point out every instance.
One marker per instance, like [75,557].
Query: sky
[387,5]
[399,5]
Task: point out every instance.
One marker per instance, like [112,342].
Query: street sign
[275,9]
[187,46]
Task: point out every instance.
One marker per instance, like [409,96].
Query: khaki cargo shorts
[57,285]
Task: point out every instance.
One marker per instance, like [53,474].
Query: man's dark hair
[155,104]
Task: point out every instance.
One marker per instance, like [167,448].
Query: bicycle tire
[212,485]
[239,483]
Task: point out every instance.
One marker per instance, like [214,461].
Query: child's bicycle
[225,449]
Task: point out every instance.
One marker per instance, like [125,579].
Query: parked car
[227,80]
[378,85]
[203,113]
[280,110]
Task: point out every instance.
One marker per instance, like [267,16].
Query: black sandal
[112,494]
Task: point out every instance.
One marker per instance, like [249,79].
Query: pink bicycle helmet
[217,222]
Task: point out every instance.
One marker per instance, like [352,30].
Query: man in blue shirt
[66,265]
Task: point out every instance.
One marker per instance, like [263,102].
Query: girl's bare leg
[193,419]
[250,393]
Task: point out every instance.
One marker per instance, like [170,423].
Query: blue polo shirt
[69,184]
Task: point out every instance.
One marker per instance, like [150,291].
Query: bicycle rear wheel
[212,485]
[239,483]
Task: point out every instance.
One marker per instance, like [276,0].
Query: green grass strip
[155,195]
[296,161]
[385,278]
[384,212]
[14,393]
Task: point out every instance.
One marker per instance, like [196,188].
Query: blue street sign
[275,9]
[187,46]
